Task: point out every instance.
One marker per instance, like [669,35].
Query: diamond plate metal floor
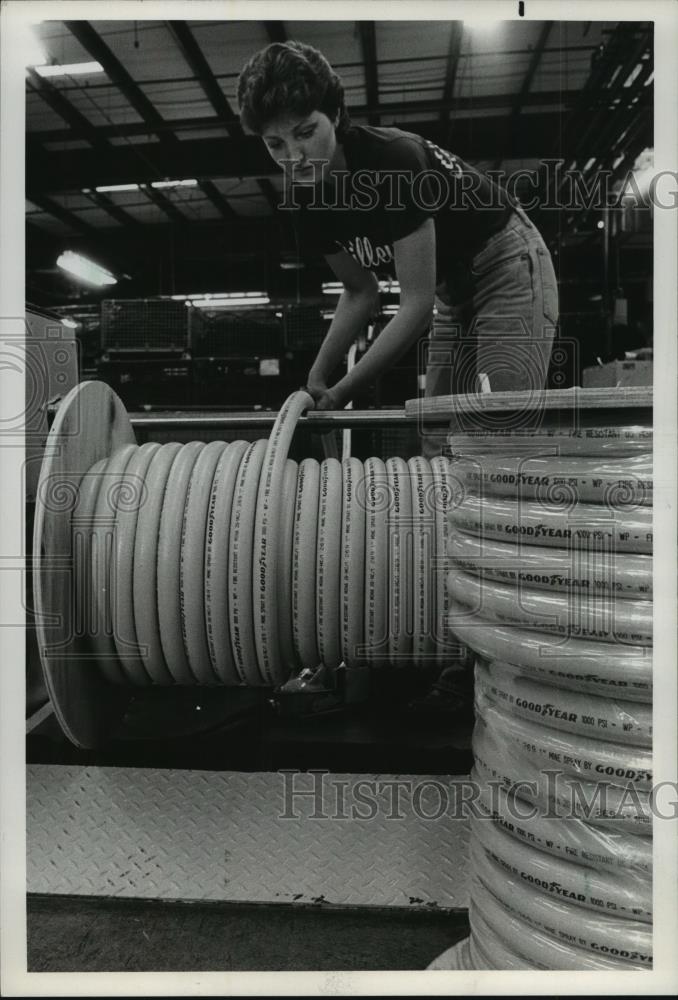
[205,835]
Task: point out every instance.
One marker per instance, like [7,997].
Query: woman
[383,201]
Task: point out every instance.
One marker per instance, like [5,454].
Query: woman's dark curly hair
[289,78]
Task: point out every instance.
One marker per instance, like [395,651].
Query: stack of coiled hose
[550,583]
[232,564]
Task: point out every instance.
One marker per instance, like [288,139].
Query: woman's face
[306,148]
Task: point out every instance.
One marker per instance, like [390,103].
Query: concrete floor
[67,934]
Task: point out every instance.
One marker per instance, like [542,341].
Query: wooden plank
[576,398]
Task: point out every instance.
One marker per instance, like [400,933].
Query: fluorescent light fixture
[84,269]
[70,323]
[589,163]
[391,287]
[635,72]
[32,52]
[480,25]
[327,313]
[229,302]
[332,287]
[108,188]
[191,183]
[291,265]
[226,295]
[643,173]
[70,69]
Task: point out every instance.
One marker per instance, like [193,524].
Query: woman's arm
[354,309]
[415,262]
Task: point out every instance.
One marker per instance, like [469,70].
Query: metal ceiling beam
[592,111]
[93,43]
[453,52]
[97,48]
[212,192]
[69,170]
[368,45]
[276,31]
[642,48]
[461,104]
[84,129]
[532,68]
[115,211]
[70,219]
[80,127]
[173,213]
[195,58]
[526,85]
[193,54]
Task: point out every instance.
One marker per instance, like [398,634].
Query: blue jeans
[495,320]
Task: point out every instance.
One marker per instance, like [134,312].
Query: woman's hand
[328,401]
[323,398]
[316,386]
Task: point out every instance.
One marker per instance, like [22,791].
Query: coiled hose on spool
[550,584]
[229,564]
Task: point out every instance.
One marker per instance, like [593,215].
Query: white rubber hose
[567,837]
[623,808]
[102,544]
[216,563]
[441,502]
[536,946]
[579,664]
[586,616]
[86,563]
[591,759]
[240,565]
[376,498]
[286,548]
[169,567]
[599,718]
[352,564]
[303,564]
[125,636]
[488,950]
[327,563]
[192,563]
[576,525]
[267,537]
[614,482]
[568,569]
[589,441]
[423,561]
[145,583]
[616,937]
[625,896]
[400,532]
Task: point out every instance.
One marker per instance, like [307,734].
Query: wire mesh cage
[240,334]
[305,327]
[144,325]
